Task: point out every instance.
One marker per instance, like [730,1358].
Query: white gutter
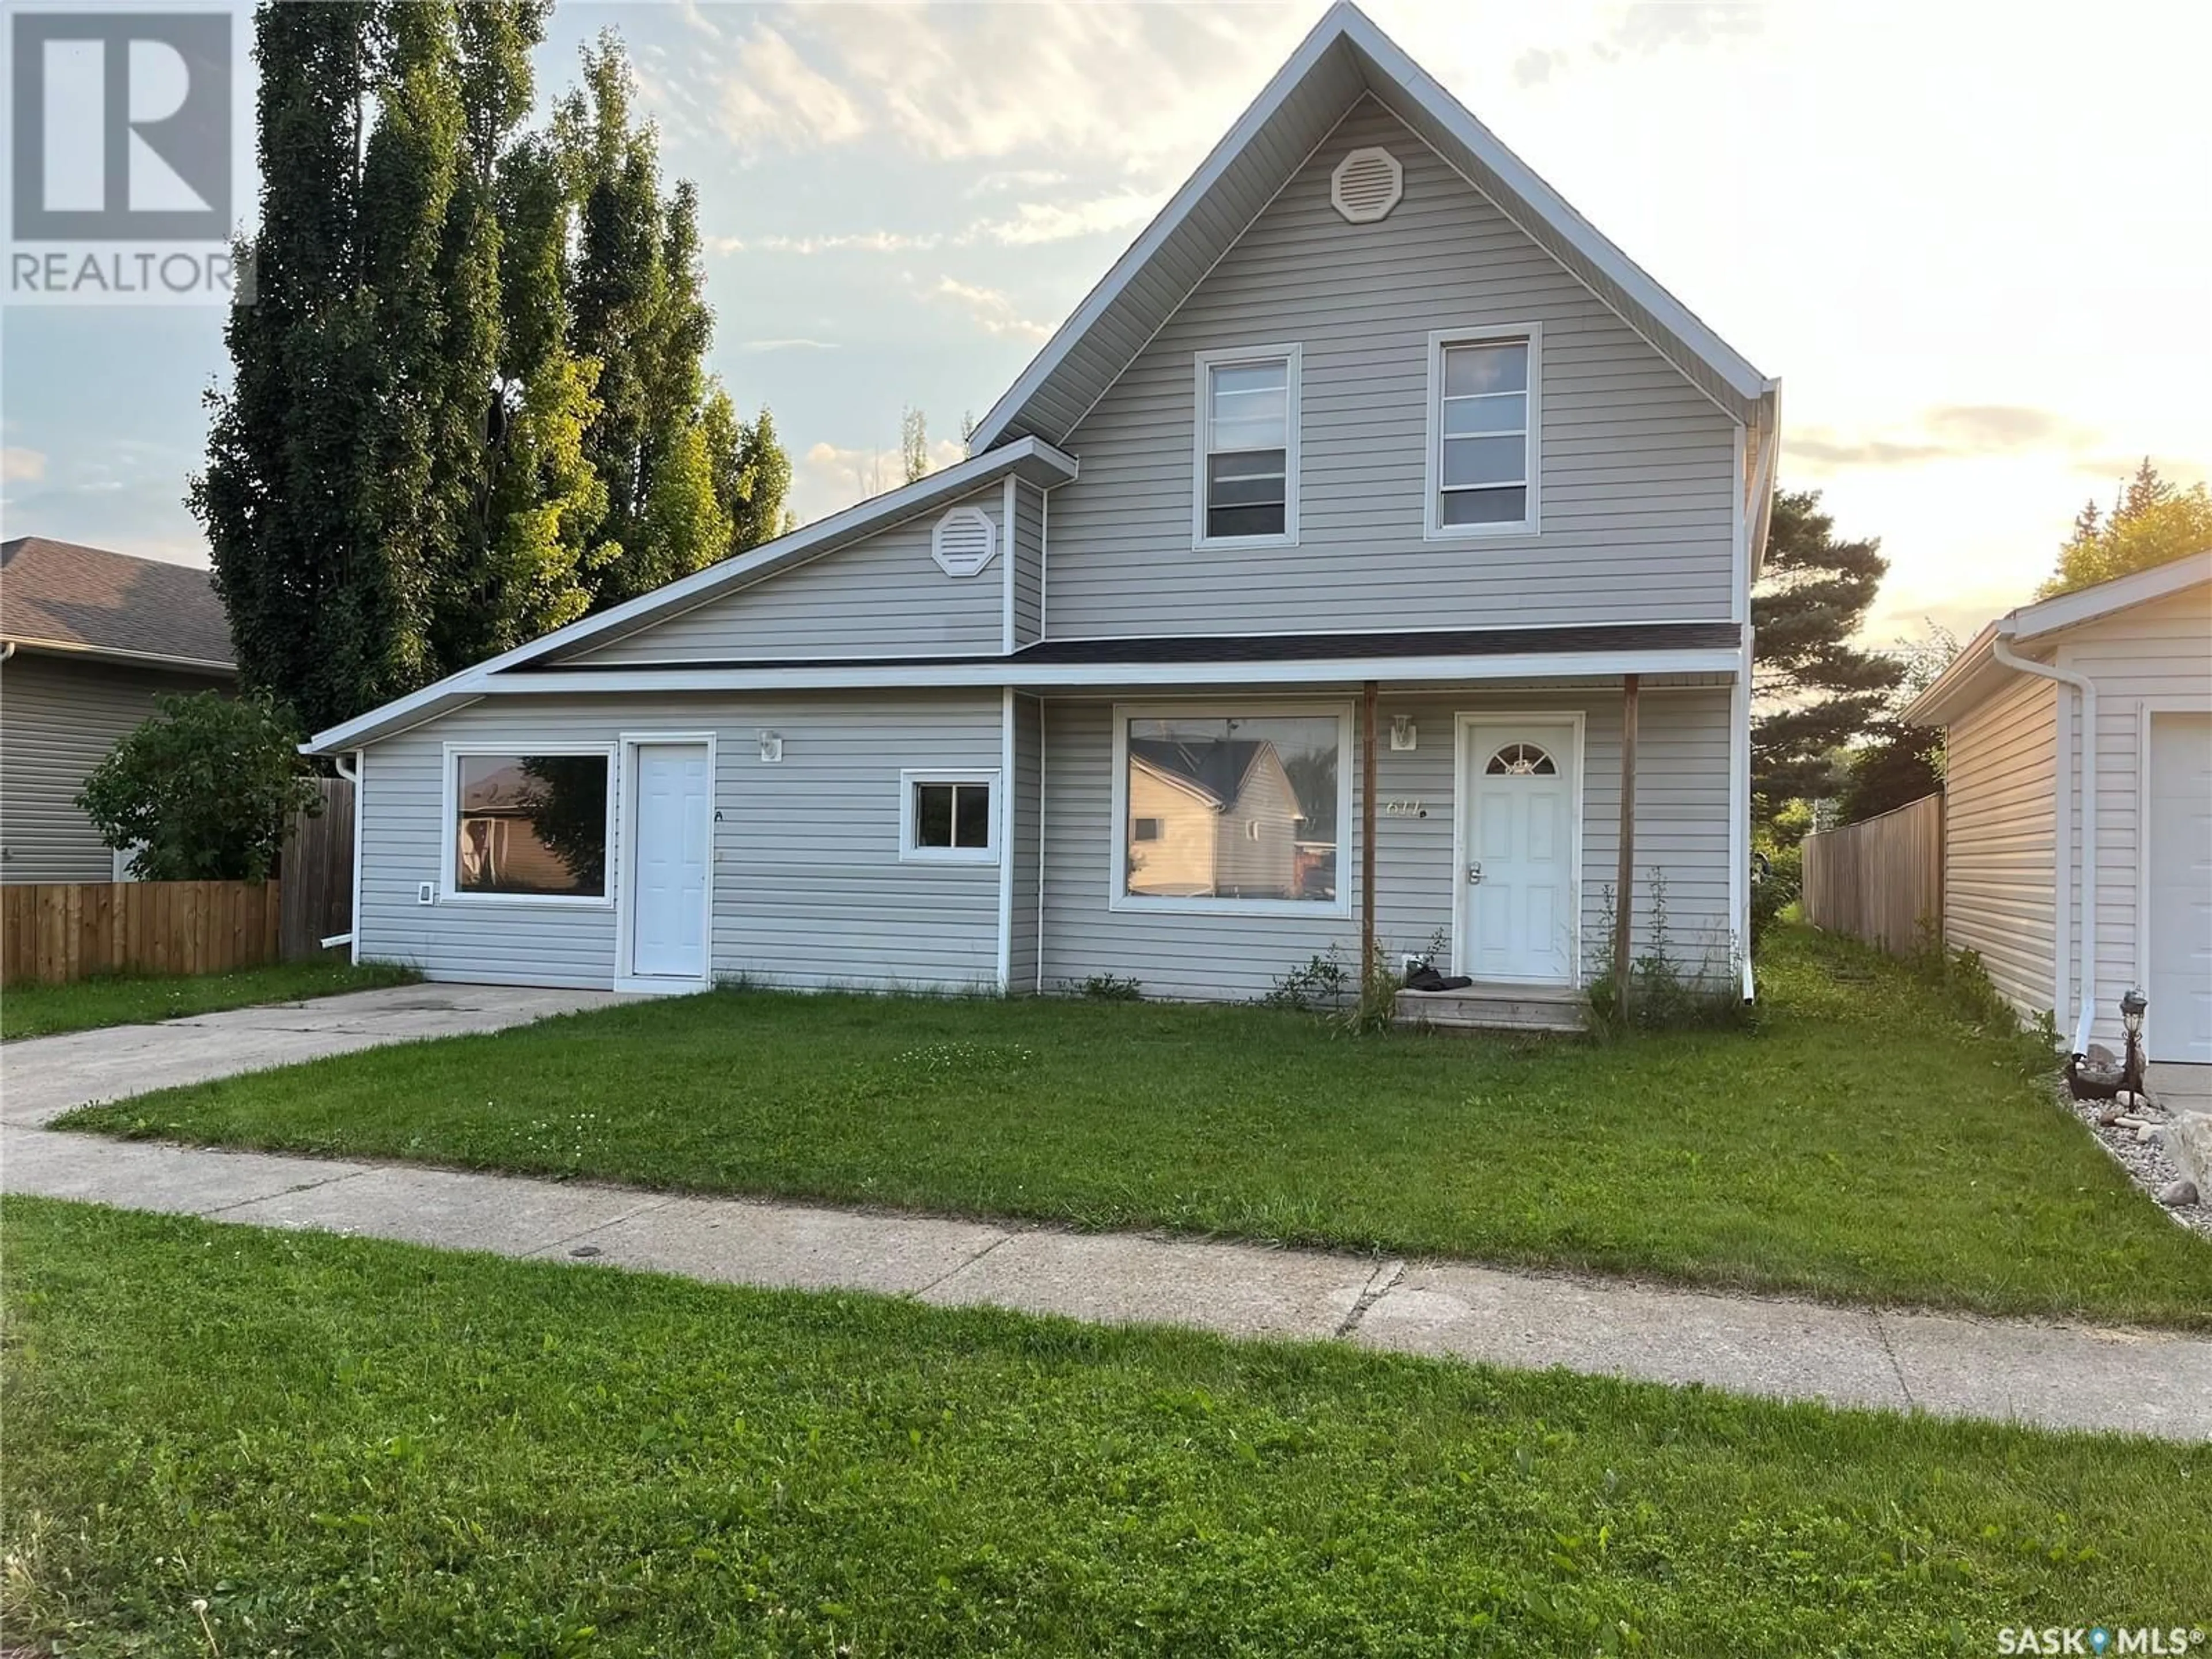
[2001,648]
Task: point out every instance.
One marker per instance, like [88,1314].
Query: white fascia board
[991,676]
[200,666]
[1346,22]
[1947,695]
[1546,204]
[1031,456]
[1165,223]
[2089,604]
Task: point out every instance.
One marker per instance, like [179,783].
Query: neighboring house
[1367,405]
[89,638]
[2078,811]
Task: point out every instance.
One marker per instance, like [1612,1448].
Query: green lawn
[1864,1145]
[431,1453]
[29,1011]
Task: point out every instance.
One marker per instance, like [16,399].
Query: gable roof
[1030,459]
[1975,672]
[86,601]
[1344,57]
[1216,772]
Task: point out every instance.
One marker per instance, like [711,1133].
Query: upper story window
[1483,424]
[1247,470]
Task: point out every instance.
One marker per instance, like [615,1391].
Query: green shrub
[1662,995]
[203,790]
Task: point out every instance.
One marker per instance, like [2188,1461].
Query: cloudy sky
[1975,242]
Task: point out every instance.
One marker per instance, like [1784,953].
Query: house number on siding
[1404,809]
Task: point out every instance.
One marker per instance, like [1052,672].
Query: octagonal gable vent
[963,542]
[1366,185]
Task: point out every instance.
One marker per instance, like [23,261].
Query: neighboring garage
[2078,816]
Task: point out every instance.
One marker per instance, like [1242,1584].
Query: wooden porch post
[1624,906]
[1366,834]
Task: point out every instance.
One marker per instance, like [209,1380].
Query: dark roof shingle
[61,593]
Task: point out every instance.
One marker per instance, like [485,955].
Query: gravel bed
[2148,1163]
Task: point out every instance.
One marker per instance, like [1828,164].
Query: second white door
[673,831]
[1517,878]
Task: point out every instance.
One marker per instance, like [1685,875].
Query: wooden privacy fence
[1880,879]
[61,930]
[318,873]
[57,931]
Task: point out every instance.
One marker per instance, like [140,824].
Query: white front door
[671,833]
[1517,877]
[2179,883]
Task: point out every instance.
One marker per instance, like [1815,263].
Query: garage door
[2180,882]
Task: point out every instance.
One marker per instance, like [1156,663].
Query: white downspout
[353,933]
[2081,683]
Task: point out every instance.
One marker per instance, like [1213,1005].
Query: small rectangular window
[948,817]
[530,826]
[1483,455]
[1248,443]
[1143,829]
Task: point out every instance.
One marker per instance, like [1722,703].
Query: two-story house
[1370,465]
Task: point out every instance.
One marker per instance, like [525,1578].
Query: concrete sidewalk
[41,1077]
[2053,1376]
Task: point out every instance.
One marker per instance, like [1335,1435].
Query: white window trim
[985,776]
[1118,897]
[449,875]
[1202,365]
[1532,523]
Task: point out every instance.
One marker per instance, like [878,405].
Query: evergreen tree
[2153,523]
[1817,690]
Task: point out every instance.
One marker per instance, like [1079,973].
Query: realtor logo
[121,126]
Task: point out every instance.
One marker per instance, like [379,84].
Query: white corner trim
[1002,808]
[1202,365]
[1739,812]
[626,976]
[1011,564]
[1117,896]
[1739,530]
[989,776]
[520,746]
[1532,523]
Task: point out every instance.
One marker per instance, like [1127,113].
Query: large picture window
[1482,434]
[529,826]
[1232,810]
[1247,447]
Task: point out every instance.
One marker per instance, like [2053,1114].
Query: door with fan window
[1516,876]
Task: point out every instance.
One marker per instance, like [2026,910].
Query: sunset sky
[1974,241]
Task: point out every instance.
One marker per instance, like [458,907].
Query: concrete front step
[1493,1008]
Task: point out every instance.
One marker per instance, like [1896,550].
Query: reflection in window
[1248,420]
[952,816]
[1521,760]
[531,824]
[1232,809]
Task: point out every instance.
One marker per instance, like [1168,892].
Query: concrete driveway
[44,1077]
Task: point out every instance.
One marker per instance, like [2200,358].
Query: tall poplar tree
[316,617]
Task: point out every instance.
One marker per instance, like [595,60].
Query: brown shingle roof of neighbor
[88,599]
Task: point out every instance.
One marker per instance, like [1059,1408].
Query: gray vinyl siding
[2162,652]
[2001,839]
[1027,565]
[59,718]
[1682,833]
[1638,467]
[1028,785]
[809,888]
[881,596]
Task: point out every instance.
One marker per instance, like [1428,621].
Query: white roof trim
[877,512]
[1960,687]
[2087,603]
[1345,21]
[994,675]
